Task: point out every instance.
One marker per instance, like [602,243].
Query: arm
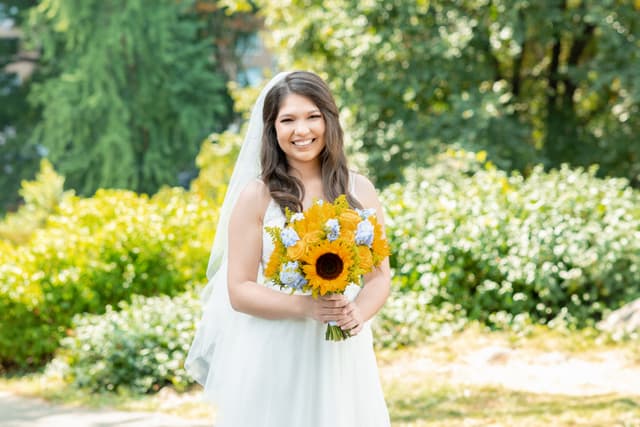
[377,284]
[245,250]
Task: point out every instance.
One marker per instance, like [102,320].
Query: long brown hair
[287,190]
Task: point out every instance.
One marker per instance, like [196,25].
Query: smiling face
[300,130]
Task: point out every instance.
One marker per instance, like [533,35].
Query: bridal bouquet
[325,249]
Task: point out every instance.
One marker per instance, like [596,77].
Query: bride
[259,352]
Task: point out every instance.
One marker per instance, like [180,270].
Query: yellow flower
[273,266]
[313,237]
[380,245]
[327,266]
[365,259]
[296,251]
[319,213]
[349,220]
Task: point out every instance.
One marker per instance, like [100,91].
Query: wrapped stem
[335,333]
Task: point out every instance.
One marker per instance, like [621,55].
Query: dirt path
[18,411]
[538,372]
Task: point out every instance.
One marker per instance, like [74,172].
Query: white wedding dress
[283,373]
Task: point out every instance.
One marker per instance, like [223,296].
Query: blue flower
[333,229]
[365,213]
[364,233]
[289,237]
[290,275]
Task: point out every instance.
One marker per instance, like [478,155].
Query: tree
[553,81]
[133,90]
[18,159]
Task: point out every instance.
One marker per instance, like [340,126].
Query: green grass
[442,405]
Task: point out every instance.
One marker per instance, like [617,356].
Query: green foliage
[218,152]
[131,91]
[141,346]
[19,160]
[215,161]
[526,81]
[559,245]
[41,198]
[94,252]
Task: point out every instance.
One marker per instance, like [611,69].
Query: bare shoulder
[253,198]
[365,190]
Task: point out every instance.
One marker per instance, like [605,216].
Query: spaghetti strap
[352,183]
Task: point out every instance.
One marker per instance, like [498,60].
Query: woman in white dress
[260,352]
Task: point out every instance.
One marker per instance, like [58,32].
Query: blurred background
[501,134]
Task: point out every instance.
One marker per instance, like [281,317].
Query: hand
[351,319]
[327,308]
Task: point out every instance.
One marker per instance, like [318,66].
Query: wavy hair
[287,190]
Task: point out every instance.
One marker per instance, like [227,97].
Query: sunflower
[328,265]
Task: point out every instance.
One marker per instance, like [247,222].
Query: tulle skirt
[283,373]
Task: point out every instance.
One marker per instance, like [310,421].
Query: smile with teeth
[303,143]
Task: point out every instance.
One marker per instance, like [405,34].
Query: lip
[307,142]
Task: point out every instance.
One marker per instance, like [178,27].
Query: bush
[559,244]
[94,252]
[141,346]
[215,161]
[408,319]
[41,198]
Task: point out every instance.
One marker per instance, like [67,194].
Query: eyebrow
[292,114]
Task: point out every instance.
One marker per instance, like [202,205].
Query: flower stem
[335,333]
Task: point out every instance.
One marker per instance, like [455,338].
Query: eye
[285,120]
[315,116]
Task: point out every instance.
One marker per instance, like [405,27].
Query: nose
[301,128]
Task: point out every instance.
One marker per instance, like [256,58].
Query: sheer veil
[216,309]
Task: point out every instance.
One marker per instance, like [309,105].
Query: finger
[334,300]
[342,321]
[348,309]
[333,304]
[345,321]
[356,330]
[335,312]
[327,319]
[348,325]
[333,297]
